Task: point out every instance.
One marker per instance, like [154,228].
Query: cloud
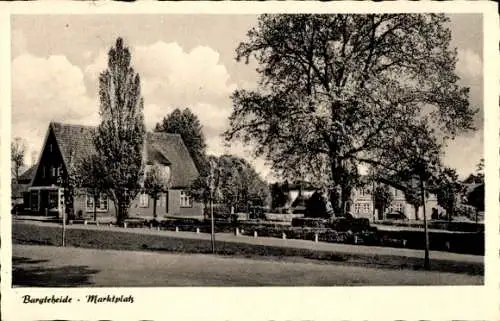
[170,75]
[45,89]
[52,88]
[469,64]
[471,146]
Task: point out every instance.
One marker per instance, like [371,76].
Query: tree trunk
[154,207]
[95,208]
[416,212]
[336,197]
[122,213]
[380,213]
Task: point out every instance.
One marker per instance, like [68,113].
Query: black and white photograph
[185,151]
[251,150]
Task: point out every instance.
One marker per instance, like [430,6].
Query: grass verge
[117,240]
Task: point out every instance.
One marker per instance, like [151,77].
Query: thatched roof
[161,148]
[27,176]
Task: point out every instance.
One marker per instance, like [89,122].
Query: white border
[293,303]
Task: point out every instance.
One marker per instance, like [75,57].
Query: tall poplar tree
[119,139]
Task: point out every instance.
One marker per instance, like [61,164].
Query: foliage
[186,124]
[279,195]
[120,136]
[91,177]
[18,151]
[317,206]
[476,198]
[382,198]
[240,184]
[234,183]
[448,190]
[337,91]
[156,182]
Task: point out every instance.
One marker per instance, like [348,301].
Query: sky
[183,61]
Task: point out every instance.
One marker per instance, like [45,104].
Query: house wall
[168,205]
[50,158]
[398,202]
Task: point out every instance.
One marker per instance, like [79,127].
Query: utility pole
[60,180]
[64,227]
[373,195]
[212,187]
[426,232]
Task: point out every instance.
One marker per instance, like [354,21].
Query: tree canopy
[187,124]
[448,190]
[343,90]
[382,198]
[156,181]
[91,176]
[235,183]
[119,138]
[18,151]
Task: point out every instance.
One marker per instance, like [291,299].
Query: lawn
[144,240]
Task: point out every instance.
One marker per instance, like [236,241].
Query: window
[43,171]
[101,203]
[357,207]
[143,200]
[50,148]
[55,171]
[399,207]
[186,200]
[366,207]
[162,200]
[53,195]
[90,202]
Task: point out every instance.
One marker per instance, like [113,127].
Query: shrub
[309,222]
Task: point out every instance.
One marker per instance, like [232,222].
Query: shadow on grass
[303,255]
[28,272]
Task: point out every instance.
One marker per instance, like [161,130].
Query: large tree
[18,151]
[186,124]
[119,139]
[337,90]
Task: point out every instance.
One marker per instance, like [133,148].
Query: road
[56,266]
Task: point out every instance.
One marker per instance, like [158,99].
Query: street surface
[56,266]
